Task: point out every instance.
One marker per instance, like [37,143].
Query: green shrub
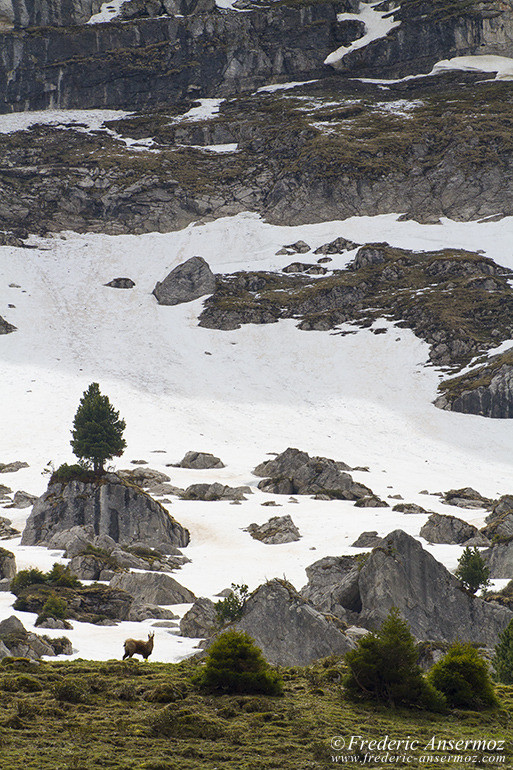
[231,607]
[54,607]
[462,676]
[66,473]
[503,658]
[70,690]
[22,683]
[27,577]
[173,722]
[236,665]
[472,571]
[384,667]
[61,575]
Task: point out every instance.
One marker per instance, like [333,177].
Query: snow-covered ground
[377,25]
[362,398]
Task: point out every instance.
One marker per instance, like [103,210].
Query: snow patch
[108,12]
[377,25]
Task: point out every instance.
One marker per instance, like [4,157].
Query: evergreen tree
[462,676]
[97,430]
[472,570]
[503,658]
[384,666]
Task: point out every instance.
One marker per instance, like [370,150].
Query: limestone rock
[147,478]
[121,283]
[338,246]
[12,467]
[152,588]
[370,254]
[466,498]
[6,530]
[297,267]
[409,508]
[4,652]
[499,523]
[371,501]
[22,643]
[288,630]
[200,621]
[7,564]
[279,529]
[142,611]
[299,247]
[111,507]
[6,327]
[215,491]
[188,281]
[23,499]
[499,559]
[54,623]
[200,461]
[367,540]
[450,529]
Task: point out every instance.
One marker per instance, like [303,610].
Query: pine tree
[384,667]
[503,658]
[472,570]
[97,430]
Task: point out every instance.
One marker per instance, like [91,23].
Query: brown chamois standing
[137,647]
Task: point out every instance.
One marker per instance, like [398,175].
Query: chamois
[137,647]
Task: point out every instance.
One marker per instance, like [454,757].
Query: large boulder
[333,586]
[200,461]
[188,281]
[111,507]
[152,588]
[400,573]
[7,531]
[288,630]
[7,564]
[466,498]
[499,559]
[200,621]
[21,643]
[295,472]
[499,523]
[214,491]
[279,529]
[450,529]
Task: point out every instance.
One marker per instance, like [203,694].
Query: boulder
[146,478]
[288,630]
[299,247]
[90,566]
[21,643]
[450,529]
[7,564]
[214,491]
[370,254]
[337,246]
[54,623]
[23,499]
[152,588]
[466,498]
[200,461]
[200,621]
[121,283]
[371,501]
[298,267]
[188,281]
[409,508]
[400,573]
[367,540]
[6,327]
[6,530]
[12,467]
[73,541]
[499,559]
[295,472]
[141,611]
[499,523]
[279,529]
[111,507]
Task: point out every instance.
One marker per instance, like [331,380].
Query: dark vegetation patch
[148,716]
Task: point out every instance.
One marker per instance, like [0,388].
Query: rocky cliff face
[486,390]
[110,507]
[50,13]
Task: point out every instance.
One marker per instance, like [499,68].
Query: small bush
[66,473]
[27,577]
[70,690]
[236,665]
[61,575]
[54,607]
[503,658]
[230,608]
[462,676]
[384,666]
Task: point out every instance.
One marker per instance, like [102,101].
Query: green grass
[131,715]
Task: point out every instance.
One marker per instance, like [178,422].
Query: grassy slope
[148,716]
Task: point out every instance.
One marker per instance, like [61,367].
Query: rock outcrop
[152,588]
[279,529]
[188,281]
[400,573]
[200,621]
[6,327]
[7,564]
[499,559]
[121,283]
[111,507]
[288,630]
[295,472]
[466,498]
[214,491]
[499,523]
[20,643]
[450,529]
[486,390]
[367,540]
[200,461]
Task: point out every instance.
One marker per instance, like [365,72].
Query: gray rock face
[152,588]
[333,586]
[188,281]
[367,540]
[112,508]
[6,327]
[6,530]
[23,499]
[200,621]
[409,508]
[450,529]
[12,467]
[143,611]
[50,13]
[279,529]
[200,461]
[215,492]
[371,501]
[499,559]
[147,478]
[399,573]
[121,283]
[7,564]
[338,246]
[288,630]
[466,498]
[21,643]
[492,399]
